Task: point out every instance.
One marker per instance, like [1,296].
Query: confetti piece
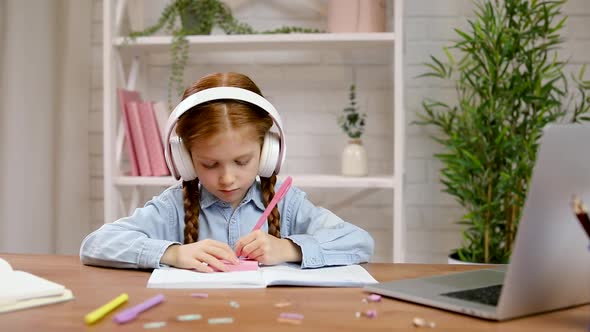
[154,325]
[234,304]
[289,321]
[291,315]
[364,301]
[374,298]
[357,314]
[200,295]
[371,313]
[421,322]
[221,320]
[188,317]
[282,304]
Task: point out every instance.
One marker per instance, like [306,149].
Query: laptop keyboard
[486,295]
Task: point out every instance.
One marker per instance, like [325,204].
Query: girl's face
[227,163]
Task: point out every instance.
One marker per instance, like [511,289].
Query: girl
[224,141]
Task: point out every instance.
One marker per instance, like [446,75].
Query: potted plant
[182,18]
[352,122]
[510,83]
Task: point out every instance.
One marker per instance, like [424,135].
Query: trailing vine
[182,18]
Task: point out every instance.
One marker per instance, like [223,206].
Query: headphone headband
[218,93]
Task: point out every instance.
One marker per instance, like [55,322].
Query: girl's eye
[209,166]
[242,162]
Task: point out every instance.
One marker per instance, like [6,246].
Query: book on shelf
[21,290]
[124,97]
[162,113]
[152,138]
[264,276]
[139,140]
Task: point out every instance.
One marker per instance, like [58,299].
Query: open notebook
[278,275]
[20,290]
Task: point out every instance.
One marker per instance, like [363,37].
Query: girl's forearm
[291,251]
[170,255]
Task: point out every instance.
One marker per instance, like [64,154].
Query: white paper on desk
[335,276]
[179,278]
[286,274]
[20,285]
[37,302]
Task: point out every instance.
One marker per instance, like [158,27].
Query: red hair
[206,120]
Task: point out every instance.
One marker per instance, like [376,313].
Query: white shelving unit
[116,49]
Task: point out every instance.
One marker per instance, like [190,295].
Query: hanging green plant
[182,18]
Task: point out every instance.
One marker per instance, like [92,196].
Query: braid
[268,192]
[192,207]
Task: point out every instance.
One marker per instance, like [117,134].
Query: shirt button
[233,221]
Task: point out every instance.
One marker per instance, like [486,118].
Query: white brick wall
[310,89]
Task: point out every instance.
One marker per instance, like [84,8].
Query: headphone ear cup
[181,160]
[269,156]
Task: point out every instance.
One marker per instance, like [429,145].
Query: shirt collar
[253,194]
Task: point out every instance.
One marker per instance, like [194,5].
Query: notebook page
[4,266]
[337,276]
[20,285]
[36,302]
[180,278]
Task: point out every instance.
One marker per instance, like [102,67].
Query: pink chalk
[374,298]
[291,315]
[371,313]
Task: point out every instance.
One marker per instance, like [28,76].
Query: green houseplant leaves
[182,18]
[510,83]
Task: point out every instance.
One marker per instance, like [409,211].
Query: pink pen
[278,196]
[132,313]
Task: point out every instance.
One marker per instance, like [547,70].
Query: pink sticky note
[245,265]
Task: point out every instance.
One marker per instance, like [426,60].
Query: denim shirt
[139,241]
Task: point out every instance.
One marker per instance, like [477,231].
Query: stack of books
[145,127]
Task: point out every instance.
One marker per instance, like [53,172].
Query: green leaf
[509,85]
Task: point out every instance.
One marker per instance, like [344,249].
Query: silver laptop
[550,265]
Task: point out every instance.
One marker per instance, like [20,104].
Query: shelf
[313,181]
[312,41]
[129,63]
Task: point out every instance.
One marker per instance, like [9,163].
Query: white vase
[354,159]
[453,258]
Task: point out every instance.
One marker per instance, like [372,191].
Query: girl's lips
[228,191]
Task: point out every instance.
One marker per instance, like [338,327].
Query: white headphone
[178,157]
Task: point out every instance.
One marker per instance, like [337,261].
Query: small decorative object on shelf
[356,16]
[354,156]
[198,17]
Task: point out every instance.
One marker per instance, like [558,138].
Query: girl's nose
[226,178]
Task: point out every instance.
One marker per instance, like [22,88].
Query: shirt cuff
[152,253]
[311,252]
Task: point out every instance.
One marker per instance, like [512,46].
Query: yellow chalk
[99,313]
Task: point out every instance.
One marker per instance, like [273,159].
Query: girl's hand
[267,249]
[200,255]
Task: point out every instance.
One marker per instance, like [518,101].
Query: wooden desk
[325,309]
